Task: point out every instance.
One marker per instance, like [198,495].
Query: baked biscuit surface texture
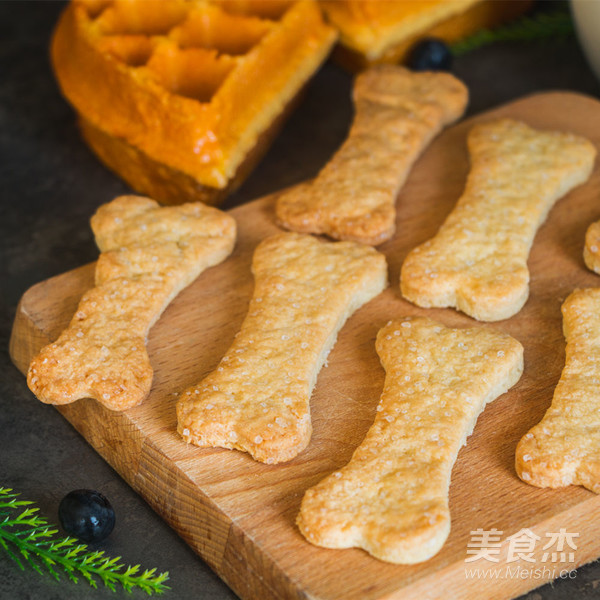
[391,499]
[257,400]
[477,262]
[148,255]
[591,249]
[398,113]
[564,447]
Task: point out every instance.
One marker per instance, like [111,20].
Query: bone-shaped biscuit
[591,249]
[398,112]
[564,447]
[391,499]
[148,255]
[257,400]
[477,262]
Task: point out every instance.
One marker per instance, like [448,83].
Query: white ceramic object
[586,14]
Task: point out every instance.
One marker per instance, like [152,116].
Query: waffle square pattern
[182,97]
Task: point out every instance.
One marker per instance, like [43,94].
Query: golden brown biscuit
[591,249]
[148,255]
[391,499]
[257,400]
[398,113]
[477,262]
[564,447]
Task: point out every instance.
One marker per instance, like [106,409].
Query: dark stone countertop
[51,185]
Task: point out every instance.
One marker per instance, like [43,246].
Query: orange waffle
[383,31]
[182,97]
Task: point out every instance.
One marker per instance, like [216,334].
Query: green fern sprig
[539,26]
[29,539]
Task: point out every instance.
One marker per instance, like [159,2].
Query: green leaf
[539,26]
[32,537]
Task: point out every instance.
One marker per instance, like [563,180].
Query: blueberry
[87,515]
[430,54]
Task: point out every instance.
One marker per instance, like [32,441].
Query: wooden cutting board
[238,514]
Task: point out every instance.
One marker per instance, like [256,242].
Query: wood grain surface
[239,514]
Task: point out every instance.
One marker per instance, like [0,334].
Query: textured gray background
[50,185]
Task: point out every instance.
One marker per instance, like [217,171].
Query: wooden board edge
[22,325]
[26,339]
[507,588]
[27,336]
[544,97]
[139,463]
[549,95]
[207,529]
